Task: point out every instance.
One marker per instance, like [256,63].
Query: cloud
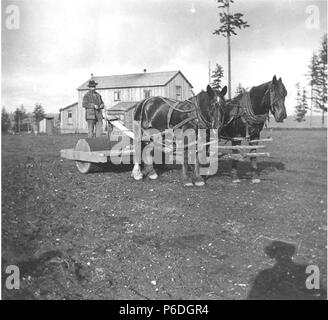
[61,42]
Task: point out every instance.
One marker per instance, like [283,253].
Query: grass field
[106,236]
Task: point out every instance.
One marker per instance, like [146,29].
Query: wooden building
[68,119]
[47,125]
[129,88]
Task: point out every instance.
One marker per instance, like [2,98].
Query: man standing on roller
[93,104]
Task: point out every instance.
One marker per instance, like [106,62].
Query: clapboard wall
[177,84]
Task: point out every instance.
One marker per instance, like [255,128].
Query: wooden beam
[118,124]
[254,154]
[94,156]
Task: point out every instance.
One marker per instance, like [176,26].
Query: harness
[195,113]
[247,112]
[244,112]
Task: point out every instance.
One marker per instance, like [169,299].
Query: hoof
[153,176]
[236,181]
[199,183]
[256,180]
[137,177]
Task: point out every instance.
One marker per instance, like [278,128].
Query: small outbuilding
[47,125]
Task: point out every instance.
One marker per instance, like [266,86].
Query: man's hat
[92,84]
[280,249]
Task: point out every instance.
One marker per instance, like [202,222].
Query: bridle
[204,123]
[274,99]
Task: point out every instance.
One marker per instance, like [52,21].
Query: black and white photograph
[172,151]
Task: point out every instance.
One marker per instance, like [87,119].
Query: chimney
[144,70]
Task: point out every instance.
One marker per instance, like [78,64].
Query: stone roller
[91,145]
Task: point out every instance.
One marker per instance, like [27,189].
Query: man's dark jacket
[90,99]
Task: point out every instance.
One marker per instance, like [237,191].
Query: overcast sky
[59,43]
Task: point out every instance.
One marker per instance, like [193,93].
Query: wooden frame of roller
[92,153]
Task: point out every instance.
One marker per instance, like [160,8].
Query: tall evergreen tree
[301,106]
[321,88]
[38,114]
[312,74]
[318,79]
[19,116]
[228,25]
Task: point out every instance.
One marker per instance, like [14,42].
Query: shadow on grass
[244,168]
[286,280]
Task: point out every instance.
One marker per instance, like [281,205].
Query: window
[178,92]
[117,95]
[69,117]
[147,93]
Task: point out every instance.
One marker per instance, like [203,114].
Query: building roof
[71,105]
[145,79]
[123,106]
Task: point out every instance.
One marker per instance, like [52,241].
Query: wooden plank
[256,154]
[248,140]
[239,147]
[262,140]
[122,128]
[238,156]
[94,156]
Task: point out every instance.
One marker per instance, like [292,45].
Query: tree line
[317,82]
[15,121]
[229,23]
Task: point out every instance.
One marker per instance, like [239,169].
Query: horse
[202,111]
[246,114]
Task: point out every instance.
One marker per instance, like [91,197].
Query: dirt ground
[106,236]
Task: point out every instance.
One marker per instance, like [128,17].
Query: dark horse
[246,114]
[201,111]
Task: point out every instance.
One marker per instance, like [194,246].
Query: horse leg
[254,168]
[199,182]
[187,180]
[136,172]
[149,163]
[234,166]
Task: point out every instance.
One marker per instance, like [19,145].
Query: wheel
[85,167]
[89,145]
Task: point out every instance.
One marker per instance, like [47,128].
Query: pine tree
[5,121]
[301,104]
[217,76]
[19,116]
[229,24]
[240,89]
[321,88]
[318,79]
[312,75]
[38,115]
